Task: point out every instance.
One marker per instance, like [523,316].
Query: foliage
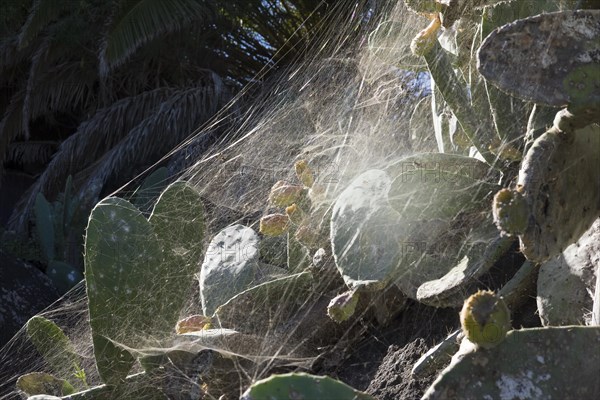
[392,233]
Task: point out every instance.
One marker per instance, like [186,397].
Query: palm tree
[101,86]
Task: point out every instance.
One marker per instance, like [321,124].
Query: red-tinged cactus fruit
[274,224]
[192,323]
[284,194]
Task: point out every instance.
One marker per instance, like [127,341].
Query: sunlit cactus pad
[302,386]
[559,181]
[567,281]
[549,59]
[529,364]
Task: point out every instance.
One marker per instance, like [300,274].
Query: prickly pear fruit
[510,212]
[295,214]
[485,319]
[284,194]
[192,323]
[304,173]
[425,40]
[274,224]
[342,306]
[302,386]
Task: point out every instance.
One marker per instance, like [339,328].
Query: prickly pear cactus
[365,233]
[230,266]
[549,59]
[54,346]
[411,230]
[277,300]
[123,270]
[37,383]
[63,275]
[566,282]
[557,169]
[302,386]
[429,186]
[529,364]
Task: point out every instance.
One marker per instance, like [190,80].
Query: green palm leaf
[140,21]
[91,140]
[42,13]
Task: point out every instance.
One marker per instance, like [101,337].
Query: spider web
[345,108]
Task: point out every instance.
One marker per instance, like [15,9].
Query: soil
[381,362]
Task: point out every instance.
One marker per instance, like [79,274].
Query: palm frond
[141,21]
[91,140]
[42,13]
[11,124]
[31,152]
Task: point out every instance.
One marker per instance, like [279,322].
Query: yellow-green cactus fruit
[485,319]
[274,224]
[284,194]
[304,173]
[295,214]
[342,306]
[425,40]
[510,211]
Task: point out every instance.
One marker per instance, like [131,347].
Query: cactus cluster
[427,227]
[54,224]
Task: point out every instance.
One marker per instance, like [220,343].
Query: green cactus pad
[44,223]
[178,222]
[123,270]
[42,383]
[63,276]
[230,266]
[542,58]
[566,282]
[54,346]
[151,188]
[365,232]
[342,307]
[557,169]
[439,186]
[278,300]
[529,364]
[482,248]
[302,386]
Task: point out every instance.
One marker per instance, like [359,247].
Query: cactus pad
[485,319]
[365,233]
[230,266]
[557,169]
[566,282]
[549,59]
[54,346]
[302,386]
[123,260]
[529,364]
